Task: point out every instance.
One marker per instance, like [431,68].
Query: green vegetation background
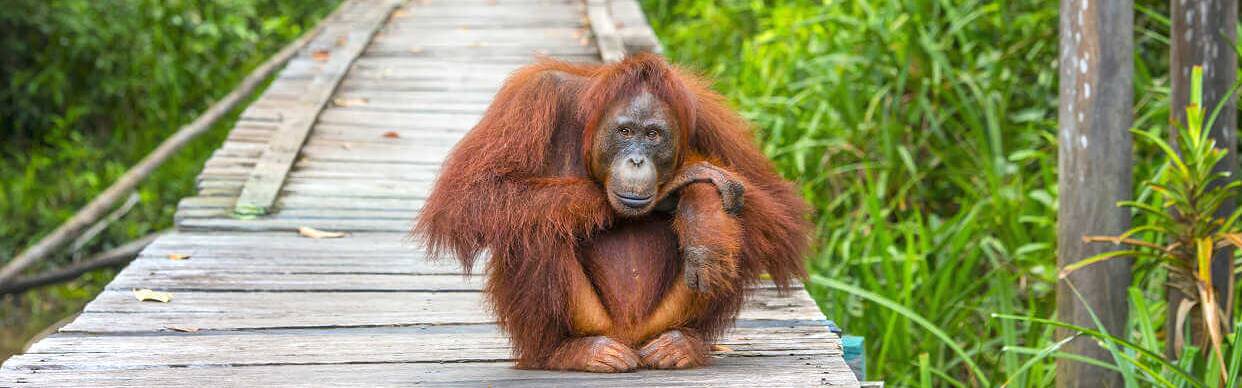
[923,132]
[87,88]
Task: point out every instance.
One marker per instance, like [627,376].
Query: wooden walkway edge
[349,137]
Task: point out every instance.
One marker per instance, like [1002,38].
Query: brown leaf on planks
[177,256]
[348,102]
[321,55]
[317,234]
[146,294]
[392,134]
[182,329]
[416,50]
[721,348]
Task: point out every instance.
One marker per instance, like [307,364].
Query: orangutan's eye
[624,131]
[651,134]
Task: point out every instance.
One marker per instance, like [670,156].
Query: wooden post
[1096,101]
[1203,33]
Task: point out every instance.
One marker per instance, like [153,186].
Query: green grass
[87,89]
[924,134]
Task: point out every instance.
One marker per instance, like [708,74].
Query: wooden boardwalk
[363,117]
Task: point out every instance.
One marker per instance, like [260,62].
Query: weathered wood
[1203,34]
[359,345]
[726,372]
[607,40]
[632,26]
[118,311]
[342,45]
[1097,69]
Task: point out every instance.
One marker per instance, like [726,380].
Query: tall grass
[89,87]
[923,132]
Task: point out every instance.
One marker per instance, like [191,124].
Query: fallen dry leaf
[307,231]
[721,348]
[321,55]
[182,329]
[399,13]
[348,102]
[391,134]
[177,256]
[146,294]
[416,50]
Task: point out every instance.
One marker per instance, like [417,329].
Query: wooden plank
[1203,34]
[169,278]
[607,40]
[528,20]
[345,45]
[1097,70]
[311,202]
[481,50]
[315,169]
[473,343]
[307,215]
[283,224]
[726,372]
[632,25]
[118,311]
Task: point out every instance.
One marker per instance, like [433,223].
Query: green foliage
[87,88]
[924,134]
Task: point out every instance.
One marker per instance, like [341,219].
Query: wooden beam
[337,48]
[611,47]
[633,27]
[111,258]
[1096,101]
[1203,33]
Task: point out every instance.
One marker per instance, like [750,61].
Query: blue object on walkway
[855,355]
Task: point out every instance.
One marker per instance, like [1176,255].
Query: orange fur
[517,188]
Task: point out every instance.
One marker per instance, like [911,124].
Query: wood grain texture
[340,44]
[607,39]
[257,304]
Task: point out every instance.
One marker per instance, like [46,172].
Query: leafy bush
[89,87]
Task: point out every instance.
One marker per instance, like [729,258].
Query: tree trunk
[1094,173]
